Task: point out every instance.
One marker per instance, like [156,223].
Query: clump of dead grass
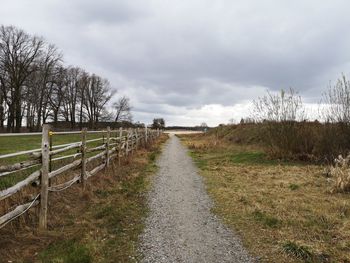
[341,172]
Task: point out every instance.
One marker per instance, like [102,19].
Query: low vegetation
[100,225]
[284,210]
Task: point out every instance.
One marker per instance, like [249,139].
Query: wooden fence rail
[123,143]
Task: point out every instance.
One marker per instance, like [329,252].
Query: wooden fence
[115,145]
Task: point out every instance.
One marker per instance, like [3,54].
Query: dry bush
[341,172]
[332,140]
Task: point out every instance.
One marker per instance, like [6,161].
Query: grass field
[101,225]
[14,144]
[284,212]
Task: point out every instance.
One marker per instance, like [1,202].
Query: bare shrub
[280,113]
[341,172]
[337,102]
[279,107]
[333,138]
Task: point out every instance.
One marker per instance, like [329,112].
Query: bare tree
[122,109]
[2,108]
[71,94]
[97,94]
[158,123]
[18,54]
[83,85]
[40,86]
[56,99]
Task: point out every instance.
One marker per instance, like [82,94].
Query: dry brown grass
[284,212]
[99,225]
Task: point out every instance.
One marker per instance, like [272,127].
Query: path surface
[180,227]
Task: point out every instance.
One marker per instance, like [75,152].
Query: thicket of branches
[36,87]
[287,132]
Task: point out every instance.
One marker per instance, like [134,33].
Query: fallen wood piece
[21,209]
[112,156]
[65,185]
[96,170]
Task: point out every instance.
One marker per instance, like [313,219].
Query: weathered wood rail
[115,144]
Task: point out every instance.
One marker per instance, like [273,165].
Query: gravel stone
[180,226]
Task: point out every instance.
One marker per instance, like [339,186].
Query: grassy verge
[100,225]
[284,212]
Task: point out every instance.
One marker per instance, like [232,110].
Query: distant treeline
[186,128]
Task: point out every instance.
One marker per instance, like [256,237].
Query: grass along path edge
[284,212]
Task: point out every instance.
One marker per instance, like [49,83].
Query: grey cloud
[194,53]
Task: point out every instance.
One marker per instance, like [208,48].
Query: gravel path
[180,227]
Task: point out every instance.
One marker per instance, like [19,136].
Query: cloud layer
[196,60]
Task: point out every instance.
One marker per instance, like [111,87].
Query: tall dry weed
[341,172]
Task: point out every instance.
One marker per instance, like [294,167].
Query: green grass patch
[68,251]
[300,252]
[251,158]
[294,187]
[265,219]
[201,163]
[153,156]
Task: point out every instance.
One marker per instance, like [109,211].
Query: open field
[12,144]
[284,212]
[101,225]
[182,132]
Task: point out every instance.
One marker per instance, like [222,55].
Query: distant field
[181,132]
[284,211]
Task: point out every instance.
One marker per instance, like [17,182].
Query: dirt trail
[180,227]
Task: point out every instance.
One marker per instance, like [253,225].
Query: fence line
[124,142]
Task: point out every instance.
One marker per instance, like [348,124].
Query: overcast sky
[195,61]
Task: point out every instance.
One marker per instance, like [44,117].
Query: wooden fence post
[127,143]
[83,158]
[146,135]
[132,141]
[107,145]
[137,138]
[45,162]
[120,144]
